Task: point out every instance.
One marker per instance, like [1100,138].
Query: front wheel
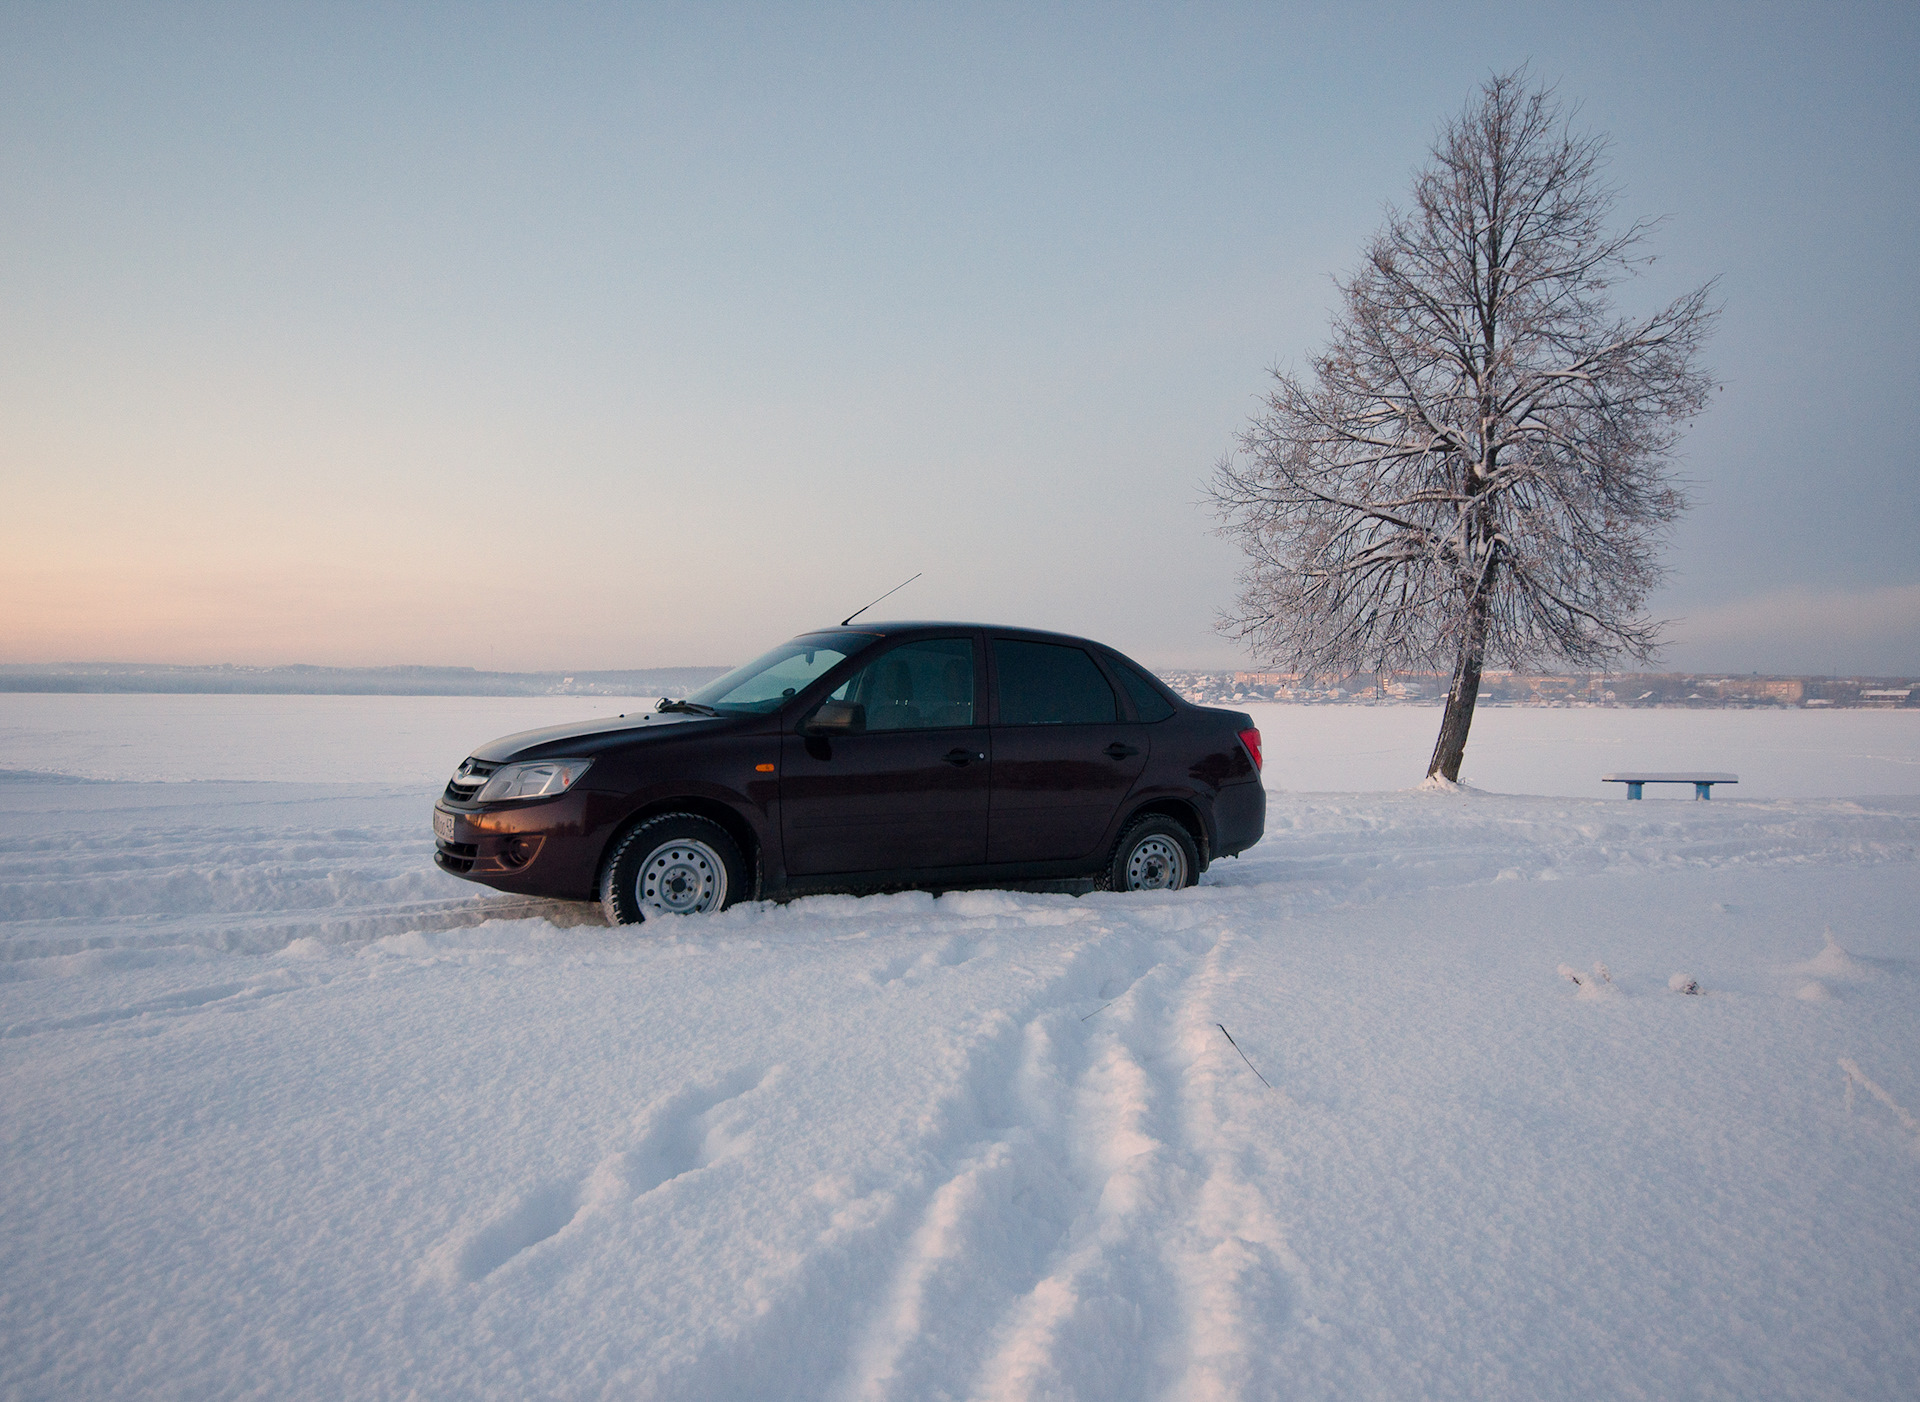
[675,864]
[1155,853]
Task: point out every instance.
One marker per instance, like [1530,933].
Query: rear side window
[917,686]
[1050,684]
[1148,703]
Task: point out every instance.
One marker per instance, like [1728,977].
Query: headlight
[540,778]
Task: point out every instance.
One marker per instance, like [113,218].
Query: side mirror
[837,718]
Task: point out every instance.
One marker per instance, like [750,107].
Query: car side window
[925,685]
[1050,684]
[1148,703]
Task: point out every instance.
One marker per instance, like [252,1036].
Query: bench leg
[1633,791]
[1703,790]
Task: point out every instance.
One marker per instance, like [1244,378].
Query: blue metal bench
[1702,783]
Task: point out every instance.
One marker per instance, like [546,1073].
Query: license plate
[443,825]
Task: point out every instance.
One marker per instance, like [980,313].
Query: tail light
[1251,739]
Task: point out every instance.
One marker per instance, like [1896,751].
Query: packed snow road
[289,1113]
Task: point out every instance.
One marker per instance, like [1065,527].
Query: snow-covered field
[289,1114]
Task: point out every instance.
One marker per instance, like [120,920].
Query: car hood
[548,740]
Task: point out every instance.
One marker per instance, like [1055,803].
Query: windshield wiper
[692,708]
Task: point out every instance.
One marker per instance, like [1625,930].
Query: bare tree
[1477,468]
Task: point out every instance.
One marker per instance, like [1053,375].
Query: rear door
[909,789]
[1063,757]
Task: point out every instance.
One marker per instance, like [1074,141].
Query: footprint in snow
[686,1132]
[951,951]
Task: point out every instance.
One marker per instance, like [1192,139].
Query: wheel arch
[1183,812]
[729,818]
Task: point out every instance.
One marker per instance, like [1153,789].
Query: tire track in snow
[1240,1284]
[235,890]
[1091,1243]
[807,1315]
[805,1319]
[187,1001]
[1099,1320]
[267,931]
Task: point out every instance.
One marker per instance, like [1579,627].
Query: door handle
[1120,751]
[961,758]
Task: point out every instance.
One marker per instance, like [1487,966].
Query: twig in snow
[1243,1056]
[1097,1011]
[1854,1073]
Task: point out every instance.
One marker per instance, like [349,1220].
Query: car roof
[896,627]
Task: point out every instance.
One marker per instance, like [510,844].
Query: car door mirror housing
[837,718]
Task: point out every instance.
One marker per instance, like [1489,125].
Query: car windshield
[766,683]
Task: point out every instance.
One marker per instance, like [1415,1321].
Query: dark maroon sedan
[860,758]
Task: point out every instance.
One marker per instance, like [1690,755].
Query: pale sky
[621,336]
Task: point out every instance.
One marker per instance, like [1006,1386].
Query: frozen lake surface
[1551,750]
[289,1113]
[417,741]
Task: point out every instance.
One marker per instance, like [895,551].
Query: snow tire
[1155,853]
[673,864]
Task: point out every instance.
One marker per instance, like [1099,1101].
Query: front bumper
[546,848]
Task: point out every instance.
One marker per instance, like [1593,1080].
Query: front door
[907,788]
[1063,760]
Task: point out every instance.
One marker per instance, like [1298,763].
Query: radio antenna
[895,590]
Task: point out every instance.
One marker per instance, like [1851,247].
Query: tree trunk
[1457,719]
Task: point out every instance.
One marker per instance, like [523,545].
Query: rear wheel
[675,864]
[1155,853]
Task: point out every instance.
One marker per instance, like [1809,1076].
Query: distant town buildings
[1551,689]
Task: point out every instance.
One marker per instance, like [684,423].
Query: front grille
[469,780]
[456,856]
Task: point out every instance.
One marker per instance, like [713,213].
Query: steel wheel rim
[1156,864]
[682,877]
